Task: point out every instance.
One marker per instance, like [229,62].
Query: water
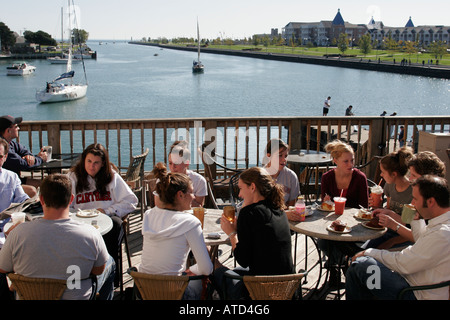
[130,81]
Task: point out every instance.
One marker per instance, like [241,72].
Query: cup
[199,212]
[17,217]
[48,150]
[339,205]
[408,213]
[229,213]
[376,193]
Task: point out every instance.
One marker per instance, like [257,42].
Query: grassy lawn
[383,55]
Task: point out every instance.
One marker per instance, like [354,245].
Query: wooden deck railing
[242,138]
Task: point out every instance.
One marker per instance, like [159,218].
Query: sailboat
[57,90]
[198,66]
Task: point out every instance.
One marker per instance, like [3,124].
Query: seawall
[435,71]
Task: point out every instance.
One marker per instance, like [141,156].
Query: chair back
[234,190]
[279,287]
[135,169]
[37,288]
[160,287]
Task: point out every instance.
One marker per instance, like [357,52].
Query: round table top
[211,224]
[310,157]
[316,225]
[104,223]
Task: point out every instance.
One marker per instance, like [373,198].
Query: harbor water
[131,81]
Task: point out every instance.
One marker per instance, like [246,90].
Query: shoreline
[442,72]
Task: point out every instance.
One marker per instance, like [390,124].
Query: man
[20,158]
[326,106]
[349,113]
[179,160]
[383,274]
[59,247]
[11,190]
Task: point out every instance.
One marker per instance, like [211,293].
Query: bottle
[300,207]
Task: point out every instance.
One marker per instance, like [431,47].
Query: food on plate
[327,205]
[374,223]
[364,214]
[338,225]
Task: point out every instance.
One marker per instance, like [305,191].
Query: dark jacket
[264,240]
[15,163]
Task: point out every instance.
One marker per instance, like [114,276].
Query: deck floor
[304,245]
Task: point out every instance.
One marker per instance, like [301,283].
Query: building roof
[409,24]
[338,20]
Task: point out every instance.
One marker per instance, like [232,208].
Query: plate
[370,227]
[88,213]
[346,230]
[356,216]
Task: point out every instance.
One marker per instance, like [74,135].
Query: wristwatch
[398,227]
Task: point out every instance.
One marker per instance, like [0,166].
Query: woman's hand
[227,226]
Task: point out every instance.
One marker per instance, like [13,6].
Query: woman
[352,184]
[170,232]
[344,178]
[96,185]
[398,191]
[261,238]
[276,158]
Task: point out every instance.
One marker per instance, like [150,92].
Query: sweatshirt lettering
[92,196]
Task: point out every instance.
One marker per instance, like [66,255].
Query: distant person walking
[326,106]
[383,114]
[349,113]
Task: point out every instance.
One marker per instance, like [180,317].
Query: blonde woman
[344,178]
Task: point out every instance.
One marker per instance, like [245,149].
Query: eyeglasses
[2,156]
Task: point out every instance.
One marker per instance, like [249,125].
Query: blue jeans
[236,289]
[364,282]
[105,281]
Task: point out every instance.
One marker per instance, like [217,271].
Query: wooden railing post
[211,137]
[54,137]
[376,143]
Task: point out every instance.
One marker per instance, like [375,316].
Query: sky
[135,19]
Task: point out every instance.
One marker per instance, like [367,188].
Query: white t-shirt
[119,200]
[198,183]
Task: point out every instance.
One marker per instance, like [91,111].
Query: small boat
[20,68]
[198,66]
[56,90]
[59,60]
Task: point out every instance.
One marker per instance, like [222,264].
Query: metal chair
[134,177]
[276,287]
[234,190]
[43,288]
[215,185]
[424,287]
[123,239]
[160,287]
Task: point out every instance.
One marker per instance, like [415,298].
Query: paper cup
[408,213]
[18,217]
[339,205]
[48,150]
[199,212]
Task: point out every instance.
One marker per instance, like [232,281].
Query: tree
[255,40]
[342,42]
[39,37]
[364,44]
[438,49]
[7,37]
[80,36]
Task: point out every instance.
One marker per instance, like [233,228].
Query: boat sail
[198,66]
[56,90]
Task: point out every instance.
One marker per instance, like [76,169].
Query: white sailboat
[58,90]
[198,66]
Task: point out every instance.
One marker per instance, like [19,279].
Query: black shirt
[264,240]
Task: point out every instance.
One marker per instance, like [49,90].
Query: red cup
[377,199]
[339,205]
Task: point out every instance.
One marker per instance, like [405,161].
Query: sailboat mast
[198,41]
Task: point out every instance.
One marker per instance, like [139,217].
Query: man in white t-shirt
[326,106]
[179,160]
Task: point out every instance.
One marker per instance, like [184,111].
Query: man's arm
[98,270]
